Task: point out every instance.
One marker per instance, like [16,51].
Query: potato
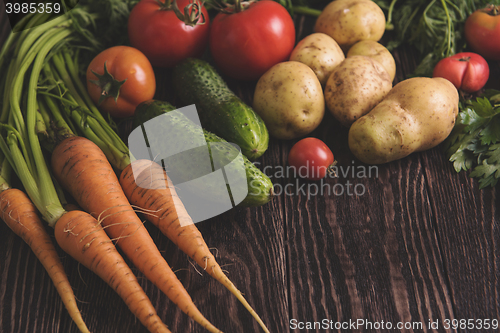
[355,87]
[377,51]
[290,100]
[350,21]
[416,115]
[320,52]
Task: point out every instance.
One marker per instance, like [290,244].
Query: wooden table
[418,246]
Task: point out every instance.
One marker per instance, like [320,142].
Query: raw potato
[350,21]
[416,115]
[355,87]
[290,100]
[375,51]
[320,52]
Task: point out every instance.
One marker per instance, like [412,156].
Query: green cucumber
[180,131]
[221,111]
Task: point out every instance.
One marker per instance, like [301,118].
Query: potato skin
[376,51]
[355,87]
[320,52]
[350,21]
[416,115]
[290,100]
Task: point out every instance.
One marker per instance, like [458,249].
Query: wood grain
[420,244]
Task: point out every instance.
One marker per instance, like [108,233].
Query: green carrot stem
[92,124]
[25,23]
[53,209]
[26,41]
[49,131]
[5,172]
[72,66]
[58,119]
[111,136]
[68,82]
[40,127]
[305,10]
[17,86]
[19,163]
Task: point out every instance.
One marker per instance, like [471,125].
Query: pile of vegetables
[69,78]
[48,113]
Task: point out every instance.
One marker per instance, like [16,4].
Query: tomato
[482,32]
[119,79]
[155,29]
[311,158]
[467,71]
[246,44]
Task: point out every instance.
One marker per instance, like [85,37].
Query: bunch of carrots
[47,115]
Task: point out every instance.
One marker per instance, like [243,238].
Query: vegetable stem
[389,25]
[306,10]
[50,200]
[449,32]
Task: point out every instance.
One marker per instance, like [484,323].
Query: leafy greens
[475,141]
[434,28]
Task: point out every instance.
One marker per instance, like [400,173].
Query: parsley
[474,143]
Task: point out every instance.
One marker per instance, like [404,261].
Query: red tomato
[127,81]
[467,71]
[246,44]
[155,29]
[482,32]
[311,158]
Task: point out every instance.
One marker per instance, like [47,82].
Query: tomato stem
[164,5]
[110,87]
[331,169]
[492,10]
[238,6]
[193,14]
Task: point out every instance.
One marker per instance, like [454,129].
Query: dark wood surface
[420,244]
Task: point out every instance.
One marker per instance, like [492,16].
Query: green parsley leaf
[475,140]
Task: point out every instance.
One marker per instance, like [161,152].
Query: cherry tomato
[482,32]
[311,158]
[155,28]
[467,71]
[119,79]
[247,43]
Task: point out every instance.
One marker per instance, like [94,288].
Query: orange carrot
[82,237]
[21,216]
[146,185]
[81,167]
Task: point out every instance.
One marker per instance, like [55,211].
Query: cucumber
[180,133]
[221,111]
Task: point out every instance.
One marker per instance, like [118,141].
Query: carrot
[146,185]
[19,213]
[189,239]
[81,236]
[82,169]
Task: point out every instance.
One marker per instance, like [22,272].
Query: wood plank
[372,257]
[469,238]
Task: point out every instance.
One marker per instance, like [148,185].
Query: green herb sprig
[474,143]
[435,28]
